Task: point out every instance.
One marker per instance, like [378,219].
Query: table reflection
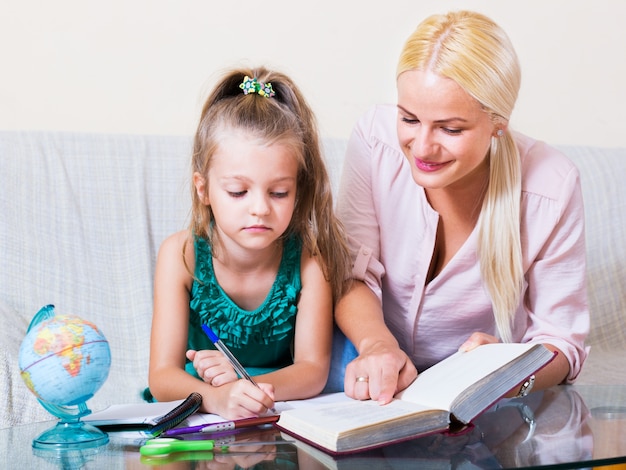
[521,432]
[561,422]
[253,456]
[608,425]
[555,427]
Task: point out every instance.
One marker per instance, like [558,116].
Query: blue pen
[217,342]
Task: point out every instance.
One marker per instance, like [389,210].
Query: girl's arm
[308,374]
[168,344]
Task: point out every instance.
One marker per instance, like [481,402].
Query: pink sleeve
[357,209]
[556,298]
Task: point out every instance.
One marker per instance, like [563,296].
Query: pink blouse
[392,232]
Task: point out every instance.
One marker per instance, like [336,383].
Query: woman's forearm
[359,315]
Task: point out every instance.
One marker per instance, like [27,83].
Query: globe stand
[70,433]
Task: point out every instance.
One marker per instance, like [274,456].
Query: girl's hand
[242,399]
[212,367]
[476,339]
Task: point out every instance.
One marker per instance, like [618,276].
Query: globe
[64,360]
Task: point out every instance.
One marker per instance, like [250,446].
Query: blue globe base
[71,436]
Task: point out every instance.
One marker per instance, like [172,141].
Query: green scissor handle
[164,446]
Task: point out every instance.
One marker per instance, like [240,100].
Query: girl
[262,262]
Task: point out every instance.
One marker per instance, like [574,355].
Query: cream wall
[143,66]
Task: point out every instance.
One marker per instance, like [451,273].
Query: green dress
[260,339]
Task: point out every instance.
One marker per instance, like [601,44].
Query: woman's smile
[430,166]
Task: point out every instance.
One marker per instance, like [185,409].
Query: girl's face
[443,131]
[251,189]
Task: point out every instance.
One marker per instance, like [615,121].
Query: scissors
[164,446]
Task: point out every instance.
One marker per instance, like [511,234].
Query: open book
[454,391]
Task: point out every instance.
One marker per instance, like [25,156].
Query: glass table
[562,427]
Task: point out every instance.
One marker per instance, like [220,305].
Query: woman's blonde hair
[286,118]
[476,53]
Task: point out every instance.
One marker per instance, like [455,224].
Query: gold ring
[362,379]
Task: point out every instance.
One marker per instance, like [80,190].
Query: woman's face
[444,132]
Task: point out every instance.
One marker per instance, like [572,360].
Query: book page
[440,385]
[346,416]
[133,413]
[358,424]
[323,399]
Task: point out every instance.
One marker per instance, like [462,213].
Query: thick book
[449,394]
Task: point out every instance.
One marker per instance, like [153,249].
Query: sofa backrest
[603,176]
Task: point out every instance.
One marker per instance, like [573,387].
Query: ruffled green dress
[260,339]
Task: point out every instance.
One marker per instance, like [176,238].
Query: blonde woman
[462,231]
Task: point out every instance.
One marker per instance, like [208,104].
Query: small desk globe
[64,360]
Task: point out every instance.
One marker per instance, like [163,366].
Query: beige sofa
[82,217]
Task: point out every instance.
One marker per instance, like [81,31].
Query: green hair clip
[252,85]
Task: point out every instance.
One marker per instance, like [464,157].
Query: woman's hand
[212,367]
[379,373]
[552,374]
[476,339]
